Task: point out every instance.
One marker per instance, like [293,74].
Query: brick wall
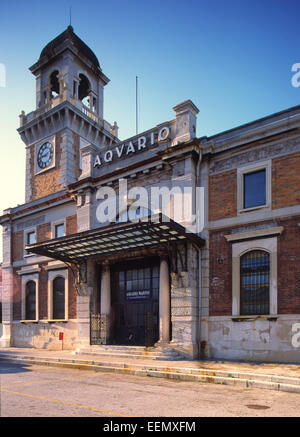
[289,267]
[72,297]
[220,274]
[18,246]
[43,292]
[71,224]
[17,296]
[288,281]
[286,181]
[47,182]
[222,195]
[43,232]
[285,187]
[76,151]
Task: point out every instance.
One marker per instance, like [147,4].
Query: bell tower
[68,115]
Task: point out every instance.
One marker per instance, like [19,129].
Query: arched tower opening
[54,84]
[84,90]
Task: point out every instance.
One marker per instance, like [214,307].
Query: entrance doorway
[135,302]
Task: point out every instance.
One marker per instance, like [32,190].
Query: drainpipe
[200,299]
[199,266]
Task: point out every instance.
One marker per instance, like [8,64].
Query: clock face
[45,155]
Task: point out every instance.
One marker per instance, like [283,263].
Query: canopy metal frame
[117,239]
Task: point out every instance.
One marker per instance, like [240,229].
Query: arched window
[54,84]
[255,283]
[30,301]
[59,298]
[84,89]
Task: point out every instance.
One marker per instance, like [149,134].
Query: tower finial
[70,15]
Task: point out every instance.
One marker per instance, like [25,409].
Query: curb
[222,377]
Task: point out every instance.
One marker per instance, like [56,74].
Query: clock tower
[68,115]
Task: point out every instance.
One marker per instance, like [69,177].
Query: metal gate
[99,329]
[150,331]
[135,306]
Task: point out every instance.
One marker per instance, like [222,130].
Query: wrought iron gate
[150,331]
[99,329]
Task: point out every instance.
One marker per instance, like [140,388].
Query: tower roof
[64,40]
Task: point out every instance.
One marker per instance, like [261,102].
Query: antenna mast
[136,104]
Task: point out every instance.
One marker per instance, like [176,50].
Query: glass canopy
[116,238]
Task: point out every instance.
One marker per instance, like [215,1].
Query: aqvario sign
[136,145]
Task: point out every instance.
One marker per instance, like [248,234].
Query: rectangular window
[31,238]
[255,189]
[59,230]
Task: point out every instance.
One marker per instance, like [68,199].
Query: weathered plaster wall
[43,335]
[254,340]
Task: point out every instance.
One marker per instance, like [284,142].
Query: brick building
[225,285]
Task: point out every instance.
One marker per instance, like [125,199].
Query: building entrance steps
[284,377]
[131,352]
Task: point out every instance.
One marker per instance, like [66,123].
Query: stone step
[135,352]
[133,356]
[123,347]
[226,377]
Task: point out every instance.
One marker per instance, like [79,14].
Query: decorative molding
[56,265]
[239,249]
[255,234]
[27,270]
[250,168]
[254,217]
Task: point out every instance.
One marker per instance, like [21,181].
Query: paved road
[32,391]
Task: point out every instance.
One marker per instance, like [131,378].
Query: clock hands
[45,155]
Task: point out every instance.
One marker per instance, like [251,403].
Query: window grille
[255,283]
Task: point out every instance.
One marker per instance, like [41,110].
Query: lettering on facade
[139,144]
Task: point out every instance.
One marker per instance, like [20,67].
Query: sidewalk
[285,377]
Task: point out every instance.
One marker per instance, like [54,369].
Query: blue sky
[232,58]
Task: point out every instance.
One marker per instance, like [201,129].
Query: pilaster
[7,288]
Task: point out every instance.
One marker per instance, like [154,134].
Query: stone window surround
[267,165]
[52,274]
[240,248]
[26,232]
[57,222]
[51,140]
[25,279]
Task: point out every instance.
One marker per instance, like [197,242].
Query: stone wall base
[43,335]
[257,339]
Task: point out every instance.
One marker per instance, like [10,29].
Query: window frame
[26,233]
[52,275]
[238,250]
[34,277]
[59,277]
[26,297]
[251,251]
[253,168]
[57,223]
